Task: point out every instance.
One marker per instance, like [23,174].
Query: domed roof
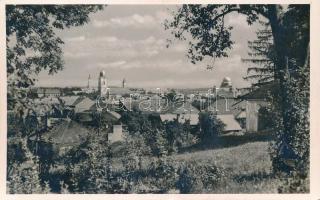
[227,79]
[226,82]
[102,73]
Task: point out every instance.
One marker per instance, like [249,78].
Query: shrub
[195,177]
[210,127]
[178,135]
[163,174]
[295,183]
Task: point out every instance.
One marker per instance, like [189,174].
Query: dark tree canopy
[208,36]
[281,53]
[205,25]
[32,44]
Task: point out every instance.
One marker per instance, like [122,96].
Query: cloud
[229,64]
[236,20]
[114,47]
[176,66]
[76,54]
[115,64]
[135,21]
[75,39]
[162,15]
[106,39]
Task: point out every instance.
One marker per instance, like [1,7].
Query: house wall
[117,134]
[252,116]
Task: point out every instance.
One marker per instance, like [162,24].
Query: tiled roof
[49,100]
[120,91]
[230,122]
[159,105]
[182,118]
[67,133]
[242,114]
[261,92]
[69,100]
[226,106]
[48,91]
[168,117]
[85,104]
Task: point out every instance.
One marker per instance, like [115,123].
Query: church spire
[89,79]
[102,84]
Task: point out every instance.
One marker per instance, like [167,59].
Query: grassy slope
[245,160]
[248,167]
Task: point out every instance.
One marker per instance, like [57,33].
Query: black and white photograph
[157,98]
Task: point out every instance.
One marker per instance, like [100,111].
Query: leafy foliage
[205,25]
[24,177]
[178,135]
[281,52]
[33,46]
[210,127]
[195,177]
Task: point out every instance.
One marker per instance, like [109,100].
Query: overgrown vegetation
[282,54]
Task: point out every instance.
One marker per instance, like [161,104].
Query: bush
[196,177]
[295,183]
[163,174]
[178,135]
[210,127]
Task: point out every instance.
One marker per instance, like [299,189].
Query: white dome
[227,79]
[226,82]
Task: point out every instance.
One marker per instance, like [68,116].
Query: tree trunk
[280,72]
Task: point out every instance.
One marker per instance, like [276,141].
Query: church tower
[124,83]
[89,82]
[102,84]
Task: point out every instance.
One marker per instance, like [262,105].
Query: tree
[25,178]
[211,38]
[33,46]
[151,130]
[171,95]
[174,133]
[261,57]
[178,135]
[93,159]
[210,127]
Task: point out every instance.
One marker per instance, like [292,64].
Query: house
[117,135]
[182,112]
[48,92]
[241,118]
[84,104]
[85,110]
[255,102]
[231,125]
[69,101]
[182,118]
[65,135]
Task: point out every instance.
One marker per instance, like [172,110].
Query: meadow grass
[248,167]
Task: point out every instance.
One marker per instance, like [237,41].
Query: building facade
[102,84]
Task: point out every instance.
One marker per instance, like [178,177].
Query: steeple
[89,79]
[124,83]
[102,84]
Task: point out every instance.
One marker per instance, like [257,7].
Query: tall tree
[204,24]
[32,44]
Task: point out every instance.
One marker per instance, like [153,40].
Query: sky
[129,41]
